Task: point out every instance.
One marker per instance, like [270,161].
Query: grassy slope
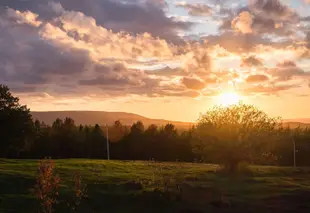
[268,189]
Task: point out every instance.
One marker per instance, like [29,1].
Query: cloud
[272,9]
[70,55]
[307,40]
[197,60]
[71,51]
[239,43]
[251,61]
[193,83]
[212,79]
[131,16]
[270,17]
[273,16]
[257,78]
[267,89]
[189,93]
[286,64]
[286,70]
[116,75]
[29,59]
[196,9]
[167,72]
[74,29]
[243,22]
[55,7]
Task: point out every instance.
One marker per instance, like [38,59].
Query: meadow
[137,186]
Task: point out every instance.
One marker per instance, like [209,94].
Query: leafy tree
[97,143]
[137,128]
[117,131]
[135,141]
[16,124]
[151,144]
[230,135]
[168,138]
[57,124]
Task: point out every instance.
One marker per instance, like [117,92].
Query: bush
[47,185]
[47,188]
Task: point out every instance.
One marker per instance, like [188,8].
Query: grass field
[125,187]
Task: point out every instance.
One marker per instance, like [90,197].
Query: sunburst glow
[227,99]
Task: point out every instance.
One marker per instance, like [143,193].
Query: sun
[227,99]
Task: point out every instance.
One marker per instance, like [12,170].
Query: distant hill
[296,124]
[299,120]
[103,118]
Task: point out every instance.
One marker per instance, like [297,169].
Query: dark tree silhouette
[16,126]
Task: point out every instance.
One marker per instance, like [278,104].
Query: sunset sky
[161,59]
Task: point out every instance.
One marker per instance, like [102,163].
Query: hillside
[103,118]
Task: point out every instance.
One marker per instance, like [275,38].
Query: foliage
[80,191]
[47,185]
[15,123]
[230,135]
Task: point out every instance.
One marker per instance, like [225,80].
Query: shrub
[47,185]
[80,191]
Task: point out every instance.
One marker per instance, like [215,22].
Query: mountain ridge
[103,118]
[298,120]
[127,118]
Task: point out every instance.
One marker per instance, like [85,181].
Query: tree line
[64,139]
[226,135]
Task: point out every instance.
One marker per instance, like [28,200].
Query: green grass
[111,188]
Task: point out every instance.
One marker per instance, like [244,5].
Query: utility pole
[108,147]
[294,152]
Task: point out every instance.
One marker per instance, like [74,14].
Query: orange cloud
[243,22]
[251,61]
[193,83]
[267,89]
[257,78]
